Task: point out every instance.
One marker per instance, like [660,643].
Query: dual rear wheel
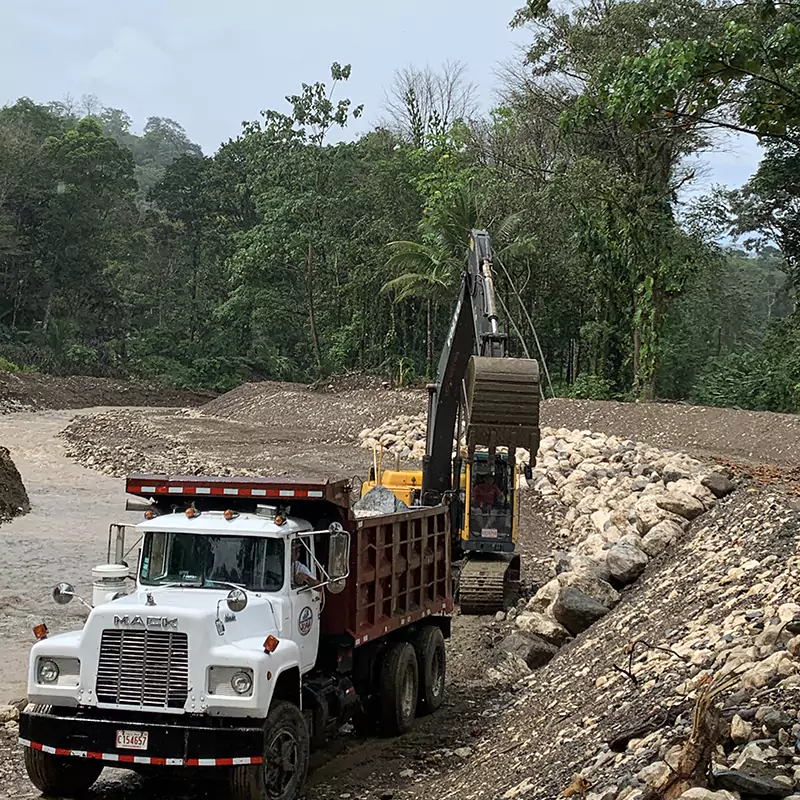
[411,682]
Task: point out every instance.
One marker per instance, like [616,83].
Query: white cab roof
[213,523]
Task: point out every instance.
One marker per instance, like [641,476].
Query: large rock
[379,500]
[680,503]
[719,485]
[507,668]
[592,585]
[626,562]
[535,652]
[593,565]
[542,626]
[660,537]
[576,611]
[544,596]
[747,783]
[13,497]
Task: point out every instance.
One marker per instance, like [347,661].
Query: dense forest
[291,254]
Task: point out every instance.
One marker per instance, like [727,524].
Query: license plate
[132,740]
[489,533]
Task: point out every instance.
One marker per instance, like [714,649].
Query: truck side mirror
[338,557]
[63,593]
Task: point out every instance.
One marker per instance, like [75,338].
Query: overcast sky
[211,65]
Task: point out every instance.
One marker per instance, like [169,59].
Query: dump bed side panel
[400,572]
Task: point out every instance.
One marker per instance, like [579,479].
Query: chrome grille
[143,668]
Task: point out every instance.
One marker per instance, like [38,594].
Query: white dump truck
[261,616]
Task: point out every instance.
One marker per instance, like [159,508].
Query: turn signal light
[270,643]
[279,520]
[191,512]
[229,515]
[40,631]
[149,514]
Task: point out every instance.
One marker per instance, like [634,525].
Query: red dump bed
[399,573]
[400,568]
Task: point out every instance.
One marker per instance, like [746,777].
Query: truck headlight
[242,683]
[230,681]
[59,671]
[48,671]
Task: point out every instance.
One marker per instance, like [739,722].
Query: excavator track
[487,584]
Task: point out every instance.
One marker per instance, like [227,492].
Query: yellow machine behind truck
[490,402]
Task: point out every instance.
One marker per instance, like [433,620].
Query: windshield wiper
[207,581]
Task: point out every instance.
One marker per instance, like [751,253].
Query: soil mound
[13,497]
[328,413]
[754,437]
[31,391]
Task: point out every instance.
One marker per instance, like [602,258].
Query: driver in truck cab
[301,574]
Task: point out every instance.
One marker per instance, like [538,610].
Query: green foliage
[591,387]
[291,253]
[8,366]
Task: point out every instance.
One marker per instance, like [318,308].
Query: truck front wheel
[60,776]
[286,750]
[429,644]
[398,688]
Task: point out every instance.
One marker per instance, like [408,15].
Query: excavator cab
[491,505]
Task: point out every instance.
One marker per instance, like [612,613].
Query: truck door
[306,601]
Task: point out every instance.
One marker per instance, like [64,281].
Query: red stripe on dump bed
[155,761]
[222,491]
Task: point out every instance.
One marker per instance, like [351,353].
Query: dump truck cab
[218,587]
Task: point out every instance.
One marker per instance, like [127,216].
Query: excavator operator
[486,493]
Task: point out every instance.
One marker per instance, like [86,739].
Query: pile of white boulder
[403,436]
[622,503]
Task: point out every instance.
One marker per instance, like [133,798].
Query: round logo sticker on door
[305,620]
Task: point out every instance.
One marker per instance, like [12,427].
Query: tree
[422,101]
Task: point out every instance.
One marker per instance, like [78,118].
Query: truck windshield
[206,562]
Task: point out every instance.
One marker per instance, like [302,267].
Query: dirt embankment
[751,437]
[615,704]
[31,391]
[13,497]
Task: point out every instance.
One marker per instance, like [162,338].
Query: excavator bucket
[502,403]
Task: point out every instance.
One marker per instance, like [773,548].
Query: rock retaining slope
[614,715]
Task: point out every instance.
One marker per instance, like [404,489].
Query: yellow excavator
[488,401]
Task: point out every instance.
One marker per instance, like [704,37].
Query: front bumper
[171,742]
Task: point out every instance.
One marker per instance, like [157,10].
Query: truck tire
[61,776]
[286,751]
[399,685]
[431,658]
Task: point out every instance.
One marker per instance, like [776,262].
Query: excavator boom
[498,400]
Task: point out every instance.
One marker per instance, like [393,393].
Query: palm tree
[426,270]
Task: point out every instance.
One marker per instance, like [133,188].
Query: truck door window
[302,562]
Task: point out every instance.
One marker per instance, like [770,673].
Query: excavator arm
[498,395]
